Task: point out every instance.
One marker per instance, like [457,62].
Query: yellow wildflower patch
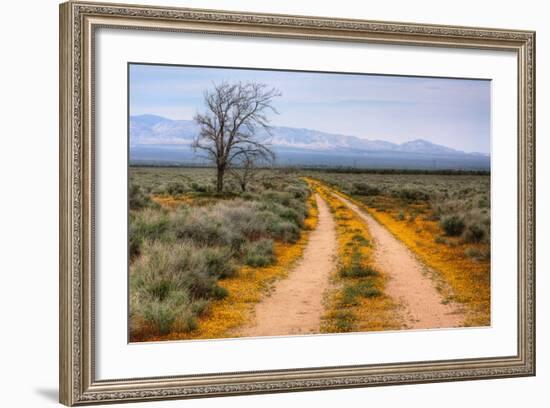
[465,280]
[172,201]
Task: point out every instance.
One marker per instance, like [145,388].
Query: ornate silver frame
[78,22]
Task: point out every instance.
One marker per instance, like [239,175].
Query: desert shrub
[241,216]
[483,203]
[172,283]
[219,262]
[299,192]
[477,254]
[364,189]
[209,227]
[219,292]
[474,233]
[294,211]
[200,188]
[293,216]
[159,290]
[259,253]
[285,231]
[138,199]
[175,188]
[160,315]
[144,225]
[160,318]
[410,194]
[279,197]
[268,185]
[453,225]
[180,268]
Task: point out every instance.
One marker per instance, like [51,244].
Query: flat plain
[306,251]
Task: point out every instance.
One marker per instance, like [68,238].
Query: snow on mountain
[156,130]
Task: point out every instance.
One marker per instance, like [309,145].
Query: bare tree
[244,172]
[235,113]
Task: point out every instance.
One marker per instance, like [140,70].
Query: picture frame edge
[76,365]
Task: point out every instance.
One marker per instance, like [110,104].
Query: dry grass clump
[170,287]
[357,302]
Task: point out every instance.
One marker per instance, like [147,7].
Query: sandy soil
[408,281]
[295,305]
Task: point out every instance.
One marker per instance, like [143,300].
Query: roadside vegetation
[357,301]
[443,219]
[193,250]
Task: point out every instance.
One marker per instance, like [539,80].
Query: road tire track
[295,305]
[408,283]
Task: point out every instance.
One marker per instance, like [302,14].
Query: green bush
[453,225]
[299,192]
[474,233]
[161,315]
[138,199]
[175,188]
[292,215]
[364,189]
[285,231]
[409,194]
[477,255]
[148,224]
[200,188]
[219,262]
[214,226]
[219,292]
[259,253]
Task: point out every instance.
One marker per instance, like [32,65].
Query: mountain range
[158,139]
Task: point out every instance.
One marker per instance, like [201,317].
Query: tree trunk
[219,181]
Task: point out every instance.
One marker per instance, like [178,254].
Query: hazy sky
[451,112]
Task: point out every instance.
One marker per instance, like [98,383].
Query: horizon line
[332,134]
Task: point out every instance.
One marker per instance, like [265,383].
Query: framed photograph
[255,203]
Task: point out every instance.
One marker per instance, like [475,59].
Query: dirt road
[295,305]
[408,282]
